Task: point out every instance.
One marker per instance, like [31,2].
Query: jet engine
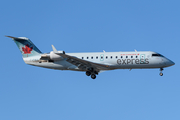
[54,56]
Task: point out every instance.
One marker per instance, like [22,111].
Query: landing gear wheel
[93,76]
[88,73]
[161,74]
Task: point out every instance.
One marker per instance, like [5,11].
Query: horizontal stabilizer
[10,36]
[17,38]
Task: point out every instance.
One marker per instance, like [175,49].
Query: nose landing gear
[161,74]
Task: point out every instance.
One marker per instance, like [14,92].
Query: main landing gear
[161,74]
[92,73]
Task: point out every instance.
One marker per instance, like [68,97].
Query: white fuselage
[92,63]
[115,60]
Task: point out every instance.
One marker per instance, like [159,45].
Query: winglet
[54,49]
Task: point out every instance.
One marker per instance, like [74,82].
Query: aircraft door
[102,57]
[142,58]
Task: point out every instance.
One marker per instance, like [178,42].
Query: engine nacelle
[54,56]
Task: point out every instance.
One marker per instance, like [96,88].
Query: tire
[161,74]
[93,76]
[88,73]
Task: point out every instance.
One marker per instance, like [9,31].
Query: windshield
[157,55]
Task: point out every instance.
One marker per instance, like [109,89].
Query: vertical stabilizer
[26,47]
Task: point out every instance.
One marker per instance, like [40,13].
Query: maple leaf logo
[27,49]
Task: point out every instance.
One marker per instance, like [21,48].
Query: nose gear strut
[161,74]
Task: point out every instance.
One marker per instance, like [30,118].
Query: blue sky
[28,92]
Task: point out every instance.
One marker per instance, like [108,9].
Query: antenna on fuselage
[104,51]
[135,50]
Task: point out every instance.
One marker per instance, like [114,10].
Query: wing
[82,64]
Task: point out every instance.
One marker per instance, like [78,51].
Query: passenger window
[82,57]
[131,56]
[91,57]
[111,57]
[96,57]
[116,56]
[87,57]
[106,57]
[121,56]
[126,56]
[136,56]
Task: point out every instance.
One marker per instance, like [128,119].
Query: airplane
[90,63]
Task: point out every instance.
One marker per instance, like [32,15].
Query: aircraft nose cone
[171,63]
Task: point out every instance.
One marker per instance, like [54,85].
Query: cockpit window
[157,55]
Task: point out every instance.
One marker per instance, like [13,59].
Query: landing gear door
[142,59]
